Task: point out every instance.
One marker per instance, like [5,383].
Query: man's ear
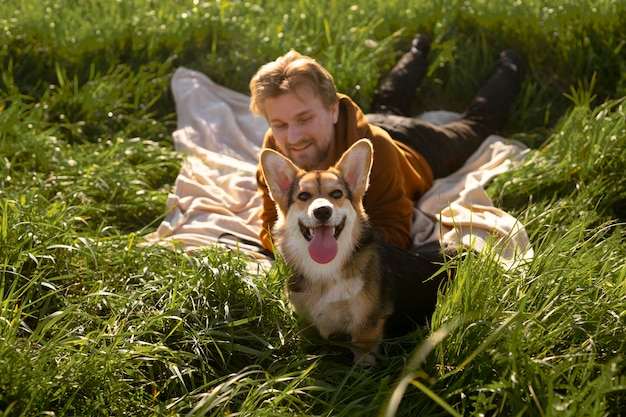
[279,173]
[356,164]
[334,111]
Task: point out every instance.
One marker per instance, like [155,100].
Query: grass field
[92,324]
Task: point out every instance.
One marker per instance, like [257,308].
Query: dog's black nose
[322,213]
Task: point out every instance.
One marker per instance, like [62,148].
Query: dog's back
[415,282]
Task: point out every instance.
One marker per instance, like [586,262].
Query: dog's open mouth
[309,232]
[322,241]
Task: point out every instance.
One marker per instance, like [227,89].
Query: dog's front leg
[365,344]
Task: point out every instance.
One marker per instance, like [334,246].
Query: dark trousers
[445,147]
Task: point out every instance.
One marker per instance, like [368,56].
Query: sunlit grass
[93,323]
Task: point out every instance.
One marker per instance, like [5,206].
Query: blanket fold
[215,198]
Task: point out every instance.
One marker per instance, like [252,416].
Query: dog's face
[319,211]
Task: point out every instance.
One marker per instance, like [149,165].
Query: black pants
[445,147]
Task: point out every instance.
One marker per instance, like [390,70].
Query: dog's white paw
[364,360]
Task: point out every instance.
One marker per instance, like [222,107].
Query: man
[313,125]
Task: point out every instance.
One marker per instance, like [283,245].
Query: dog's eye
[336,194]
[304,196]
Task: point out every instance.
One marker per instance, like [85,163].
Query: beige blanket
[215,199]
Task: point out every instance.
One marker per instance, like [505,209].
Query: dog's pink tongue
[323,246]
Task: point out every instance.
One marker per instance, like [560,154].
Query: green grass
[92,323]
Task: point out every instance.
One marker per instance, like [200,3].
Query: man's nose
[293,133]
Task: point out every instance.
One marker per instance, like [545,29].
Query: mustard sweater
[399,177]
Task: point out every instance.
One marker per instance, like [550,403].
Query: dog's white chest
[334,307]
[341,290]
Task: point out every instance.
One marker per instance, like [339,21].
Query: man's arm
[389,209]
[268,212]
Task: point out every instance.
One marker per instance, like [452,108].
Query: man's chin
[303,162]
[307,159]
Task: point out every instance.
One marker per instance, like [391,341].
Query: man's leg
[447,147]
[492,103]
[397,90]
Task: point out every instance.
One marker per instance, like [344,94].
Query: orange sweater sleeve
[268,212]
[388,208]
[394,186]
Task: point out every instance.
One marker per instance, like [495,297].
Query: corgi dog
[345,280]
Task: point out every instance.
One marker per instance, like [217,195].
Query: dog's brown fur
[368,288]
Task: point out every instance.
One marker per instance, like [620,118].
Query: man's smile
[301,147]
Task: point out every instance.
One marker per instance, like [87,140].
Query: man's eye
[336,194]
[304,196]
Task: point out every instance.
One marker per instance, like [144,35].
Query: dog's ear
[279,173]
[355,166]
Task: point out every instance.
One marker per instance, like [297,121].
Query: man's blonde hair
[285,75]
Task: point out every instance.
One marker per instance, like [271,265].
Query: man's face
[303,128]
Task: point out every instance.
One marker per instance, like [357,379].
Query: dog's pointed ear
[356,164]
[279,173]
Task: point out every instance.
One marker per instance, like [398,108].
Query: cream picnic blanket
[215,198]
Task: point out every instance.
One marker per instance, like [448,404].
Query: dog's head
[320,211]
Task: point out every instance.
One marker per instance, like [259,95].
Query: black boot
[492,103]
[397,90]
